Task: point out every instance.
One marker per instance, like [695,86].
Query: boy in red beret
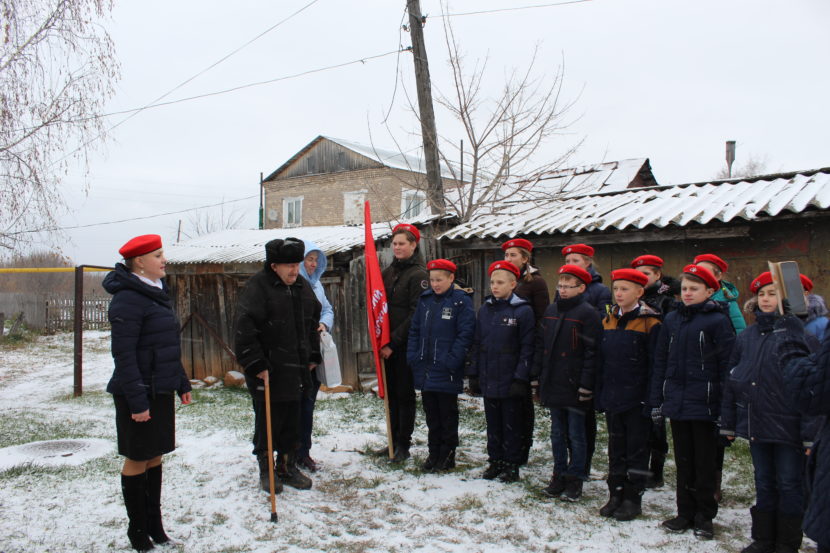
[499,369]
[440,335]
[565,362]
[691,363]
[629,338]
[726,291]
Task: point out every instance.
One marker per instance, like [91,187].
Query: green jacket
[729,295]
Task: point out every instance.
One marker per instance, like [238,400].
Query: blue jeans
[779,478]
[570,447]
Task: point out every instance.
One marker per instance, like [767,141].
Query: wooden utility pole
[435,189]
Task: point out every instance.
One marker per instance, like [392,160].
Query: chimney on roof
[730,156]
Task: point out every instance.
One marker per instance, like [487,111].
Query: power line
[53,229]
[498,10]
[135,112]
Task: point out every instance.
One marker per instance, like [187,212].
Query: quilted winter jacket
[503,345]
[626,358]
[755,405]
[692,361]
[598,294]
[728,294]
[276,330]
[567,339]
[807,380]
[440,335]
[660,295]
[145,341]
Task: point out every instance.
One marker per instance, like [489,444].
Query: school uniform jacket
[692,361]
[440,335]
[404,280]
[755,404]
[627,356]
[503,345]
[567,339]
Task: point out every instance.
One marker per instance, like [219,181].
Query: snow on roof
[391,158]
[611,176]
[659,206]
[248,245]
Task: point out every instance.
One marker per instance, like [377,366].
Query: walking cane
[270,448]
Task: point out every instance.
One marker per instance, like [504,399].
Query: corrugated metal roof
[658,206]
[393,159]
[248,246]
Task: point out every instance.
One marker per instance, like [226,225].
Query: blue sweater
[440,336]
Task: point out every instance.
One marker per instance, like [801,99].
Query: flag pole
[386,408]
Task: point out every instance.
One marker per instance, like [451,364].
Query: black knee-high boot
[134,489]
[154,525]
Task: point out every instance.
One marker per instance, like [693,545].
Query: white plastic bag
[328,372]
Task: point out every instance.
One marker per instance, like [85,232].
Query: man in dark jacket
[565,363]
[276,338]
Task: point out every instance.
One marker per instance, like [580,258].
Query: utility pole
[435,189]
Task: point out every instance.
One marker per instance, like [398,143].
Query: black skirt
[142,441]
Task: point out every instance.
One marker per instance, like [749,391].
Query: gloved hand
[657,415]
[585,394]
[474,386]
[518,389]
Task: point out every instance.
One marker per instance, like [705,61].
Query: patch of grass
[20,426]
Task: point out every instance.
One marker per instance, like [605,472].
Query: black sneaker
[401,455]
[430,464]
[677,525]
[555,487]
[704,529]
[510,473]
[493,470]
[573,490]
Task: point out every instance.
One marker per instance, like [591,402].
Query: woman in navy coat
[148,372]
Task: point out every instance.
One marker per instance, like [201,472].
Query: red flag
[376,305]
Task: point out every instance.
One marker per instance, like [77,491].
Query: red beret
[408,227]
[578,248]
[140,245]
[651,260]
[631,275]
[441,264]
[712,258]
[504,266]
[578,272]
[806,283]
[760,281]
[704,274]
[518,243]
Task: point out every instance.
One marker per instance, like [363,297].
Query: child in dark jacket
[440,335]
[661,291]
[629,339]
[690,365]
[565,362]
[499,370]
[755,407]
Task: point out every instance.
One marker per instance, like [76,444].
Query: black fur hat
[290,250]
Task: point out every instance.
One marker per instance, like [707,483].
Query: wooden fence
[55,313]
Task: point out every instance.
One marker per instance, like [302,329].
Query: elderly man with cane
[277,342]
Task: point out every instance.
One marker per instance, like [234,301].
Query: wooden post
[386,408]
[429,134]
[79,329]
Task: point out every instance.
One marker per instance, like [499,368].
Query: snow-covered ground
[212,502]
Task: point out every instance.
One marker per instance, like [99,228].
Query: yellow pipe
[50,270]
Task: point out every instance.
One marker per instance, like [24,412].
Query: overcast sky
[670,81]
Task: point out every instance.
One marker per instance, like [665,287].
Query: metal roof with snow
[657,206]
[248,246]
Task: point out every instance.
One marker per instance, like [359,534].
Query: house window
[292,212]
[353,207]
[413,204]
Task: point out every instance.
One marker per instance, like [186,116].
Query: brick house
[327,182]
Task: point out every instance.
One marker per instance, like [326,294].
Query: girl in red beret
[756,408]
[533,288]
[726,291]
[690,364]
[662,290]
[148,373]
